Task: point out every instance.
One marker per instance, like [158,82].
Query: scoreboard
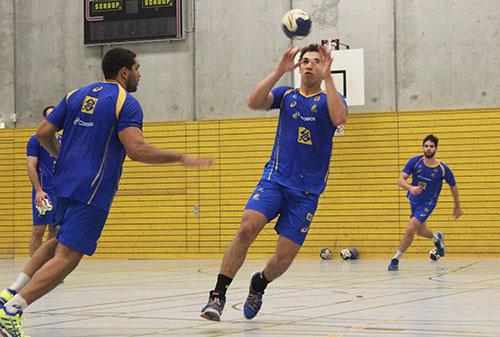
[114,21]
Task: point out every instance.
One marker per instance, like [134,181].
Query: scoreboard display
[114,21]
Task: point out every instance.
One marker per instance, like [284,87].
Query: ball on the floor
[325,254]
[433,255]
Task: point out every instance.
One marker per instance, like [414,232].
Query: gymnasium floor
[125,298]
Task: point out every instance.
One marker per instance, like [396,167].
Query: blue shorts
[296,208]
[80,225]
[49,217]
[422,210]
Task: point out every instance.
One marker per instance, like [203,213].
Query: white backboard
[348,70]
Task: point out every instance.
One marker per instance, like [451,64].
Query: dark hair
[115,59]
[47,108]
[432,138]
[311,47]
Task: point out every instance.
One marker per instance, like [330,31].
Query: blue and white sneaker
[253,303]
[440,249]
[394,265]
[213,310]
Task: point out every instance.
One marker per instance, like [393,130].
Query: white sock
[435,238]
[15,304]
[21,281]
[398,255]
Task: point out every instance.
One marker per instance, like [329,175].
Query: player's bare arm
[32,163]
[138,150]
[261,98]
[336,108]
[457,210]
[402,181]
[46,134]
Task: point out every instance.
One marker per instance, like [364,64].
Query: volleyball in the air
[296,24]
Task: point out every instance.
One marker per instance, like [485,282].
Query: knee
[246,233]
[412,228]
[37,232]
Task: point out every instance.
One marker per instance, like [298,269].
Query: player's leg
[36,237]
[252,223]
[43,281]
[44,253]
[52,232]
[286,251]
[292,227]
[263,205]
[424,231]
[406,241]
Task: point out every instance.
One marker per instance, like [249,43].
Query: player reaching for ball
[293,178]
[427,175]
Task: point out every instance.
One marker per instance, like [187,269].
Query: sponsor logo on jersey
[89,104]
[304,136]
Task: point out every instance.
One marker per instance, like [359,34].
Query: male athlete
[40,166]
[294,177]
[102,123]
[427,175]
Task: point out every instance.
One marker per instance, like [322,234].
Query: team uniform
[297,171]
[45,170]
[90,162]
[430,179]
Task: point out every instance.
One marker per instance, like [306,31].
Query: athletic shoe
[440,244]
[6,295]
[10,324]
[213,310]
[253,303]
[394,265]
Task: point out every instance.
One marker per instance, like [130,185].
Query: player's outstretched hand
[189,161]
[457,212]
[287,62]
[326,61]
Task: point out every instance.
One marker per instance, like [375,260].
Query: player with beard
[102,124]
[427,180]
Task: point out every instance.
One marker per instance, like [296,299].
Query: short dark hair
[115,59]
[432,138]
[311,47]
[47,108]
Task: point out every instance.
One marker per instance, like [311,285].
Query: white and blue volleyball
[296,24]
[433,254]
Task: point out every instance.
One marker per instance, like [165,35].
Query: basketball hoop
[334,44]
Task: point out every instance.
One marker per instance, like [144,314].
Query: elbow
[251,103]
[40,134]
[133,155]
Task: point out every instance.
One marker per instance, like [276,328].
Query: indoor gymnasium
[249,168]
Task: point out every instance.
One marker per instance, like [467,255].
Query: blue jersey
[90,163]
[45,164]
[303,143]
[430,179]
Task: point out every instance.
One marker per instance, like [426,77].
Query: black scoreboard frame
[132,21]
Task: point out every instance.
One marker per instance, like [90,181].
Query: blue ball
[296,24]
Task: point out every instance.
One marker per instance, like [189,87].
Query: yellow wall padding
[167,211]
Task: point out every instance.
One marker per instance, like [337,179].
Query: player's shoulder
[92,87]
[416,159]
[444,165]
[33,140]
